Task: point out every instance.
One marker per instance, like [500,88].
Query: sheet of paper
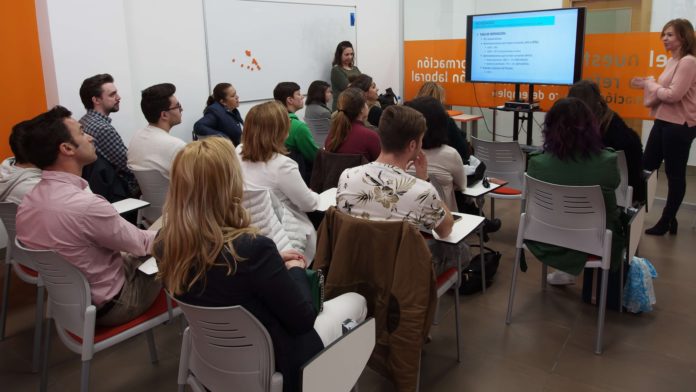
[126,205]
[149,267]
[327,199]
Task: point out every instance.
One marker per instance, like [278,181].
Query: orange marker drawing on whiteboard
[256,63]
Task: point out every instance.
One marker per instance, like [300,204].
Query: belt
[101,312]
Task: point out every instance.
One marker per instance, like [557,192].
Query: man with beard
[100,97]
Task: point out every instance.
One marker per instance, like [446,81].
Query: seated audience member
[60,215]
[221,116]
[153,147]
[382,190]
[265,166]
[209,256]
[445,166]
[17,175]
[300,138]
[317,112]
[574,155]
[456,138]
[348,134]
[100,98]
[369,88]
[615,133]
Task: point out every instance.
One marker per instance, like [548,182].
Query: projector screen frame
[579,47]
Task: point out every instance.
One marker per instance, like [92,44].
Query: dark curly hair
[571,130]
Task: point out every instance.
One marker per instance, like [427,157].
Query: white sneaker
[560,278]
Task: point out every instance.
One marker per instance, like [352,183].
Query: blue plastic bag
[639,295]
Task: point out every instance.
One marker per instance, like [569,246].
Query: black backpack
[471,276]
[388,98]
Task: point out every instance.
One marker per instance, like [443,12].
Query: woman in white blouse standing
[265,166]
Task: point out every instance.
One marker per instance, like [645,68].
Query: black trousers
[671,143]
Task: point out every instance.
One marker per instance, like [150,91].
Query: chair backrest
[651,189]
[328,167]
[260,205]
[503,160]
[8,215]
[229,347]
[338,366]
[624,192]
[68,290]
[154,187]
[568,216]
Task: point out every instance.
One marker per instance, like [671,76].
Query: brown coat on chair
[329,166]
[390,265]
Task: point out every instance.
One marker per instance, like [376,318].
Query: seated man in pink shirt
[60,215]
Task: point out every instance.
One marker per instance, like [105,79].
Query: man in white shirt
[153,148]
[382,190]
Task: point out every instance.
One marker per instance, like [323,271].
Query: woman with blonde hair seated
[348,134]
[265,166]
[209,256]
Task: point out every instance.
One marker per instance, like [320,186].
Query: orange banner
[611,60]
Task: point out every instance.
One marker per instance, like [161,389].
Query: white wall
[146,42]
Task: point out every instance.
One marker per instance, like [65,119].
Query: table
[478,191]
[464,119]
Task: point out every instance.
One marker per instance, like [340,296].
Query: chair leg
[151,345]
[544,273]
[457,325]
[492,208]
[511,297]
[5,302]
[602,309]
[44,355]
[436,317]
[37,328]
[482,260]
[84,376]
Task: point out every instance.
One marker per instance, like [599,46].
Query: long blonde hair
[266,127]
[432,89]
[202,214]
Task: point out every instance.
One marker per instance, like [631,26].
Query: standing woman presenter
[342,69]
[672,101]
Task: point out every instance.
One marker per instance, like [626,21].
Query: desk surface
[479,190]
[462,228]
[467,117]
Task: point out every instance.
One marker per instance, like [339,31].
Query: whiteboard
[256,44]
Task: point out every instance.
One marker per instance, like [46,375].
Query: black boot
[663,226]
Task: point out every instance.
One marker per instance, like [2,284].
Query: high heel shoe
[663,226]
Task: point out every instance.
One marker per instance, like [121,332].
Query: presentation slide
[530,47]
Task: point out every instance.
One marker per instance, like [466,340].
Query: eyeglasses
[178,106]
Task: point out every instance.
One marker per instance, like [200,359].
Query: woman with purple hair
[574,155]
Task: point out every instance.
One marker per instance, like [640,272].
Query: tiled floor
[548,346]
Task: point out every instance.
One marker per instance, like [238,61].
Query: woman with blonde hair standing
[208,255]
[672,101]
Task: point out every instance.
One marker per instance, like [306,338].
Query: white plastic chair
[154,187]
[261,208]
[26,271]
[70,306]
[505,161]
[226,348]
[339,366]
[624,192]
[572,217]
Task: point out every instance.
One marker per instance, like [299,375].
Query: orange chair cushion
[28,271]
[102,333]
[503,190]
[445,276]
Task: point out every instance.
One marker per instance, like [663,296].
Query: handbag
[471,275]
[316,288]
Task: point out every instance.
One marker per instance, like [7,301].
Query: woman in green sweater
[343,69]
[574,155]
